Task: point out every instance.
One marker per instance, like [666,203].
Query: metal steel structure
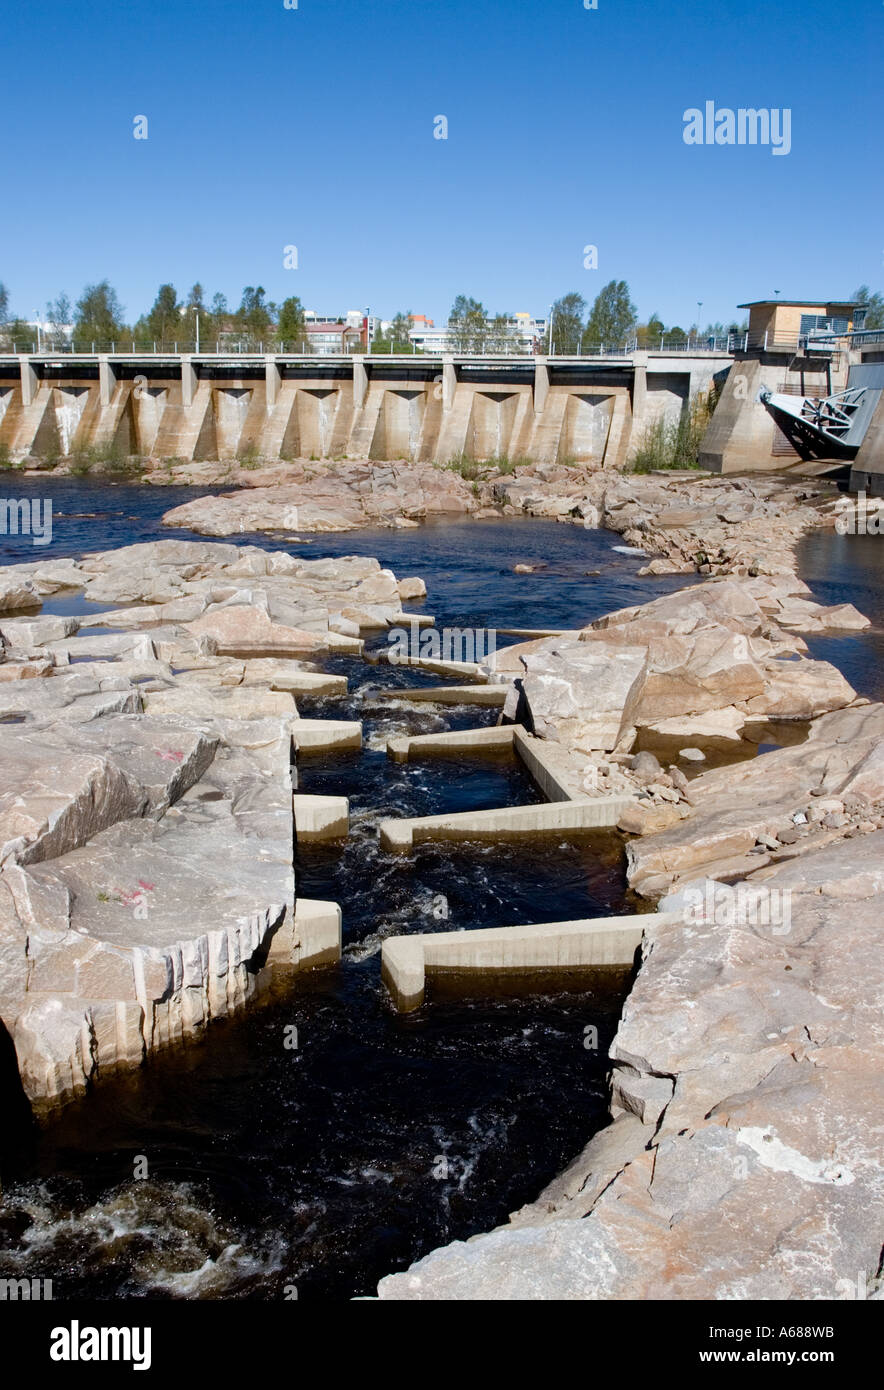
[824,425]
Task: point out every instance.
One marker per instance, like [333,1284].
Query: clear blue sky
[314,127]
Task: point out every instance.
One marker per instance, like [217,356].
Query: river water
[265,1168]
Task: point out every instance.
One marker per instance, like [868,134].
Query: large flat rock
[744,1161]
[734,807]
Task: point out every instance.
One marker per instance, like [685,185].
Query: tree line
[98,317]
[611,321]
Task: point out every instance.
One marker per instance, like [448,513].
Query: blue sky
[314,127]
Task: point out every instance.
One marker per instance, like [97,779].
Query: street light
[699,307]
[368,331]
[549,350]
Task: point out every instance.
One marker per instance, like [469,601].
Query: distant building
[46,331]
[526,335]
[785,321]
[331,338]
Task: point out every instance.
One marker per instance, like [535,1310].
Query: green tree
[18,332]
[4,303]
[650,333]
[613,317]
[500,336]
[567,324]
[467,323]
[163,323]
[99,315]
[875,311]
[254,314]
[196,306]
[290,325]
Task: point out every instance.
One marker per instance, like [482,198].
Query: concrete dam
[191,407]
[796,403]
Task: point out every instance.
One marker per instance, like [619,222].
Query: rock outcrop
[688,522]
[146,871]
[701,664]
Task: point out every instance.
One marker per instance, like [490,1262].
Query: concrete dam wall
[428,409]
[743,436]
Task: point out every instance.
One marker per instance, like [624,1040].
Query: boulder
[246,628]
[582,695]
[17,592]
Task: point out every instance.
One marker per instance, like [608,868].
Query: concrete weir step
[320,735]
[316,683]
[547,949]
[491,695]
[320,817]
[555,778]
[311,937]
[404,748]
[504,822]
[468,670]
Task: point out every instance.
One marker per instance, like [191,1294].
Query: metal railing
[799,342]
[134,347]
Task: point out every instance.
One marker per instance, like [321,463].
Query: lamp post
[549,350]
[368,331]
[699,307]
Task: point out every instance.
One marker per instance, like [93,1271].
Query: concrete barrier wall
[505,822]
[587,410]
[476,957]
[742,434]
[867,474]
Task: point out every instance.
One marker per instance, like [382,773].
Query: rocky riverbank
[687,522]
[742,1158]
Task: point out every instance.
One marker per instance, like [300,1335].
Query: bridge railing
[240,348]
[139,347]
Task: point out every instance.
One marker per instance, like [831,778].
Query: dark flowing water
[849,569]
[322,1167]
